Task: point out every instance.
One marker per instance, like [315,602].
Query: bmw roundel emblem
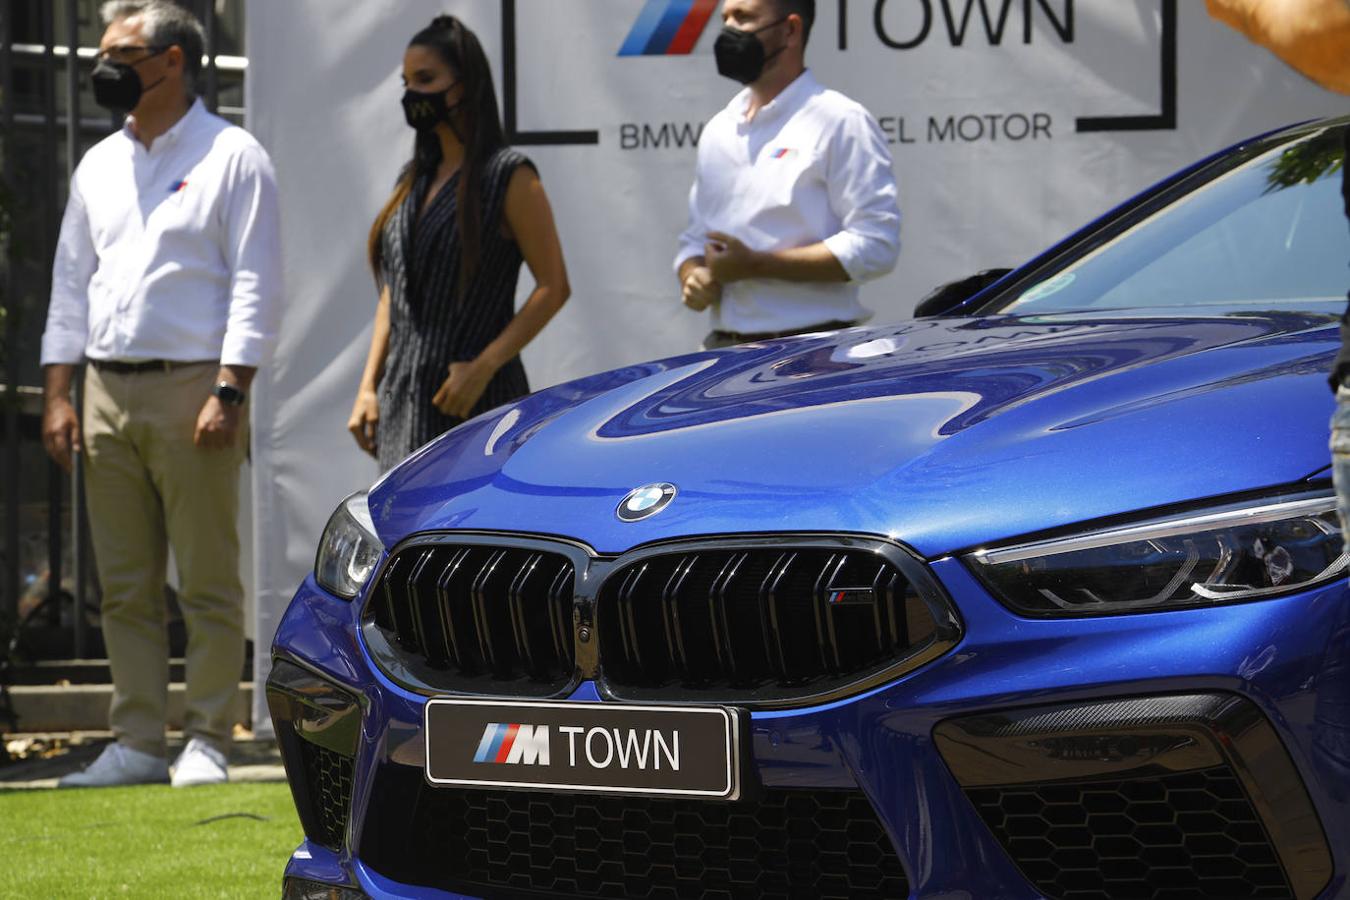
[646,501]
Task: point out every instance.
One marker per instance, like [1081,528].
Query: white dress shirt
[810,166]
[169,253]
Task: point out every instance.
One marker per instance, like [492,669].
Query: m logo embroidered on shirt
[783,153]
[177,186]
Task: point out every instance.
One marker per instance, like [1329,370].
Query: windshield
[1270,233]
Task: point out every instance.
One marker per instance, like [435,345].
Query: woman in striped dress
[446,251]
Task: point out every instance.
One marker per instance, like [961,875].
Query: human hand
[217,425]
[700,289]
[365,420]
[462,388]
[61,431]
[729,259]
[1312,36]
[1267,22]
[1233,13]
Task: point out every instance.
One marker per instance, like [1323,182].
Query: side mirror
[948,297]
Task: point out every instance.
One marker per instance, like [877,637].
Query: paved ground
[49,756]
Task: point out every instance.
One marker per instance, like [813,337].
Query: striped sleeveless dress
[430,325]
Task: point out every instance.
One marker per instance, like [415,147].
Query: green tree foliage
[1308,161]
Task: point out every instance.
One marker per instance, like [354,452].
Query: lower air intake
[782,844]
[329,775]
[318,728]
[1182,836]
[1165,797]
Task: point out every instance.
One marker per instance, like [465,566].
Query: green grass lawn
[229,840]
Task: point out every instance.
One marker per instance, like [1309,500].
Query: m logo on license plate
[591,747]
[514,744]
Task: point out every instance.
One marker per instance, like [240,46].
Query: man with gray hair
[167,284]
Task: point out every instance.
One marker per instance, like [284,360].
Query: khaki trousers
[149,489]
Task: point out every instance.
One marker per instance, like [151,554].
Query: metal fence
[48,119]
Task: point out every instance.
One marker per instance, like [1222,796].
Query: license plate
[677,751]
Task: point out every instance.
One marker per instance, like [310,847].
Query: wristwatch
[229,394]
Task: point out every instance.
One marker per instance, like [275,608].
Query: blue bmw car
[1044,596]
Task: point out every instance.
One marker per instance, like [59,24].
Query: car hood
[942,434]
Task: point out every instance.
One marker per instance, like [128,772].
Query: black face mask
[117,86]
[424,110]
[740,55]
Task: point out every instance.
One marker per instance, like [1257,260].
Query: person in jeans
[794,201]
[167,284]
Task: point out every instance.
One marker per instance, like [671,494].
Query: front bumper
[1288,658]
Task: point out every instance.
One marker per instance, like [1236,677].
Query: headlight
[1225,556]
[349,548]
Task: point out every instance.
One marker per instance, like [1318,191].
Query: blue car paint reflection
[916,442]
[945,436]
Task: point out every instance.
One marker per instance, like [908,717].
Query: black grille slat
[519,625]
[425,618]
[723,646]
[861,629]
[886,584]
[701,661]
[450,611]
[778,844]
[627,623]
[797,610]
[670,604]
[560,612]
[459,614]
[482,611]
[1180,836]
[396,603]
[745,623]
[774,621]
[773,632]
[830,657]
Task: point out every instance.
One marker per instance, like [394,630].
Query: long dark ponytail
[478,124]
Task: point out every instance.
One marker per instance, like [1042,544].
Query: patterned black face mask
[424,110]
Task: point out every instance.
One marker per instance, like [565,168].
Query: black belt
[117,367]
[742,338]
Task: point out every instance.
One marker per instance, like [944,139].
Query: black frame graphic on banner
[1165,120]
[513,134]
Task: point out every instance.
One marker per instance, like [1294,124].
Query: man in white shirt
[794,201]
[167,282]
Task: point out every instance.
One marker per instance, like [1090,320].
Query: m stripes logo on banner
[668,27]
[513,744]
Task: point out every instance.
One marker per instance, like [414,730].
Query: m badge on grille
[852,596]
[646,501]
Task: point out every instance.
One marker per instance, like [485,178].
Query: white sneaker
[199,763]
[119,764]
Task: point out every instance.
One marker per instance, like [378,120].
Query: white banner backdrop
[1011,122]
